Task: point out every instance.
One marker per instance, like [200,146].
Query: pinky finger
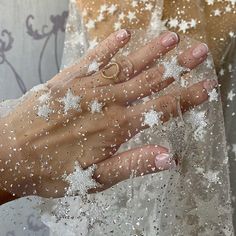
[136,162]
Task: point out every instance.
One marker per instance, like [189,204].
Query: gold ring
[115,75]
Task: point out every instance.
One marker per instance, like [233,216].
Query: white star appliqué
[172,69]
[231,95]
[183,26]
[199,123]
[93,67]
[173,23]
[70,101]
[80,181]
[95,106]
[44,111]
[213,95]
[131,16]
[152,118]
[112,9]
[217,12]
[90,25]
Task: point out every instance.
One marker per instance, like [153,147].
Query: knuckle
[126,66]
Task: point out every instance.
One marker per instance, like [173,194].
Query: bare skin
[35,152]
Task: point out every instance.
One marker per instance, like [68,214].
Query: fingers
[98,57]
[151,81]
[149,53]
[137,162]
[161,109]
[140,59]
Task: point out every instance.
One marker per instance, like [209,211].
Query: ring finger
[137,61]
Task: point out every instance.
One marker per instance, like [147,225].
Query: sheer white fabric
[192,200]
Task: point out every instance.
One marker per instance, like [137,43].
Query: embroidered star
[121,16]
[90,24]
[217,12]
[70,101]
[112,9]
[80,181]
[44,111]
[213,95]
[103,8]
[131,16]
[100,17]
[44,97]
[148,7]
[173,23]
[95,106]
[210,2]
[193,23]
[228,8]
[117,25]
[93,67]
[152,118]
[231,95]
[173,69]
[183,26]
[134,3]
[212,176]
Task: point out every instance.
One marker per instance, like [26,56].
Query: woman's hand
[83,117]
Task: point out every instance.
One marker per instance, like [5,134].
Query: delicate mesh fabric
[193,200]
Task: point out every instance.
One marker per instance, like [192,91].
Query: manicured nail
[122,34]
[163,161]
[209,85]
[200,51]
[170,39]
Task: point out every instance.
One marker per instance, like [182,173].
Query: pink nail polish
[163,161]
[209,85]
[200,51]
[170,39]
[122,34]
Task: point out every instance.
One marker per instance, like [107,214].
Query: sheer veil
[191,200]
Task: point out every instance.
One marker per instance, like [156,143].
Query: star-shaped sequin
[70,101]
[80,181]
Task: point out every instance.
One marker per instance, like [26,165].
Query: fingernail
[122,34]
[163,161]
[170,39]
[200,51]
[209,85]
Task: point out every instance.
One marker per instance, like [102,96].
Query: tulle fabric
[193,199]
